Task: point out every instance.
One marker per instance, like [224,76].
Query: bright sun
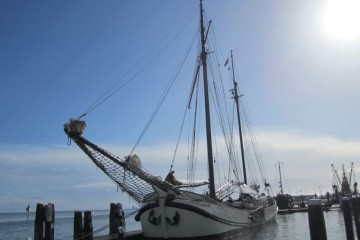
[342,19]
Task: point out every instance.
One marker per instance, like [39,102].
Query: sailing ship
[175,210]
[284,201]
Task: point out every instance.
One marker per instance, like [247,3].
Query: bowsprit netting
[136,182]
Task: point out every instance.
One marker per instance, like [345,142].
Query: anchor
[175,219]
[152,219]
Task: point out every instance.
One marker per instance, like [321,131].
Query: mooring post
[358,208]
[112,219]
[78,225]
[120,215]
[116,218]
[355,202]
[88,226]
[121,221]
[347,218]
[28,209]
[49,221]
[39,219]
[316,220]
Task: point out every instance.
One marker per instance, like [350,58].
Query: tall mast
[281,187]
[203,57]
[236,98]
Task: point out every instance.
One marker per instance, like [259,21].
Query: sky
[299,68]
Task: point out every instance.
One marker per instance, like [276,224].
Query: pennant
[226,62]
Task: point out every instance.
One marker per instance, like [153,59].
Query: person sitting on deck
[171,179]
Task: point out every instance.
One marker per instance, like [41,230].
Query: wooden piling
[116,218]
[28,209]
[88,226]
[121,215]
[49,219]
[112,219]
[78,225]
[316,220]
[347,218]
[39,219]
[355,202]
[44,215]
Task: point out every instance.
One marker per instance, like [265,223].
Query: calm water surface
[291,226]
[296,226]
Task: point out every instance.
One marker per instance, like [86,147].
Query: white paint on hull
[221,218]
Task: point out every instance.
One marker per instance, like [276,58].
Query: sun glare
[342,19]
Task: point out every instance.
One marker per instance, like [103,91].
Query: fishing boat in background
[342,185]
[172,209]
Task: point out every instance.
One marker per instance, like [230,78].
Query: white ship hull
[181,219]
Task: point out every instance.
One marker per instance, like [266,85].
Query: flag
[226,62]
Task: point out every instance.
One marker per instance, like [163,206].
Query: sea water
[15,226]
[294,226]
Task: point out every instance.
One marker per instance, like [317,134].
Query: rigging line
[232,125]
[194,88]
[251,150]
[195,83]
[217,107]
[247,117]
[218,161]
[215,100]
[237,158]
[197,129]
[94,232]
[164,95]
[102,97]
[223,117]
[179,136]
[196,126]
[254,144]
[99,102]
[191,169]
[194,138]
[229,120]
[244,111]
[220,82]
[216,42]
[188,139]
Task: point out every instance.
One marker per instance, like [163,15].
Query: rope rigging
[194,143]
[164,95]
[99,230]
[251,145]
[225,117]
[123,82]
[138,183]
[220,100]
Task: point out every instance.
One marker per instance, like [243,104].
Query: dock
[131,235]
[292,210]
